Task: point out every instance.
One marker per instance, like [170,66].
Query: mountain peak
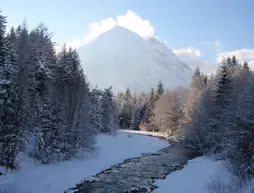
[123,59]
[117,33]
[119,30]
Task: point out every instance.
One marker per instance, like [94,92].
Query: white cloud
[194,58]
[135,23]
[130,21]
[242,55]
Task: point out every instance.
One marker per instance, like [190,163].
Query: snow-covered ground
[146,133]
[54,178]
[153,134]
[197,177]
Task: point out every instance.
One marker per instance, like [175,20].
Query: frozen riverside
[135,174]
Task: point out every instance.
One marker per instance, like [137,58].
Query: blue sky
[199,30]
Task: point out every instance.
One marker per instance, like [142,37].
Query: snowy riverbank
[56,178]
[111,150]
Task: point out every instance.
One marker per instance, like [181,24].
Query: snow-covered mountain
[122,59]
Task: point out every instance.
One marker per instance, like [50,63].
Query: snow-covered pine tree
[3,48]
[84,133]
[44,118]
[197,131]
[45,125]
[75,99]
[11,134]
[238,125]
[135,117]
[152,94]
[27,100]
[47,143]
[198,82]
[43,95]
[147,114]
[246,67]
[222,88]
[64,91]
[244,73]
[96,110]
[109,111]
[222,98]
[223,121]
[234,62]
[210,120]
[120,105]
[125,114]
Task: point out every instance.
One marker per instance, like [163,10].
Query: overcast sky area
[200,32]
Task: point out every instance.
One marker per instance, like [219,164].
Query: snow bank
[196,176]
[146,133]
[174,138]
[54,178]
[192,179]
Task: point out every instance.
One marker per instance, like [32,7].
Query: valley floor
[112,150]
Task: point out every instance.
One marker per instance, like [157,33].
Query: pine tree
[152,95]
[197,132]
[146,111]
[11,136]
[44,128]
[136,116]
[96,110]
[160,90]
[84,133]
[109,111]
[246,66]
[3,49]
[25,89]
[234,61]
[245,70]
[222,97]
[125,114]
[47,144]
[223,87]
[232,64]
[198,83]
